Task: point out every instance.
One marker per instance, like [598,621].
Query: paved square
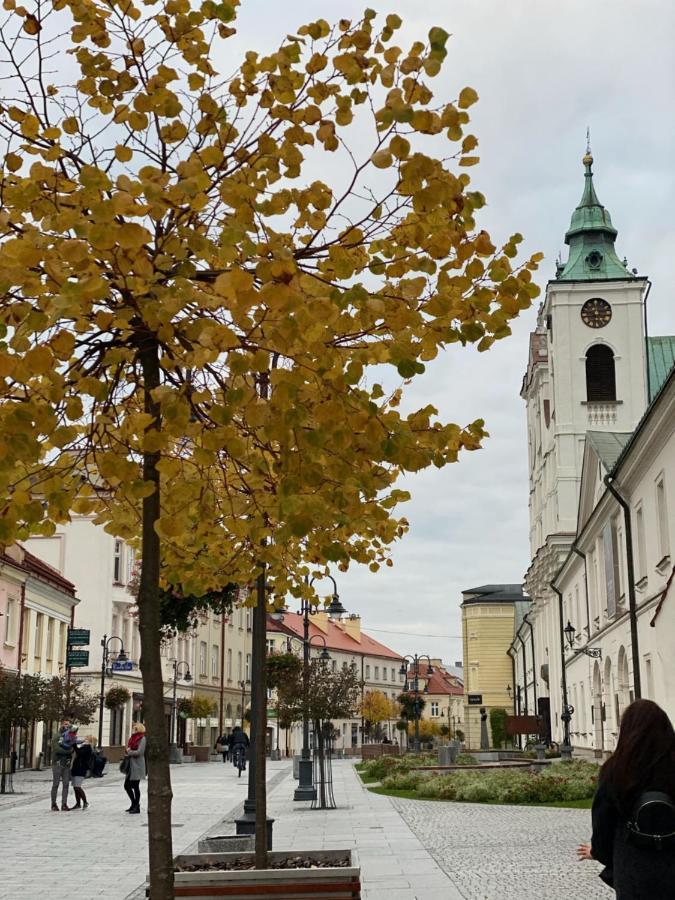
[408,849]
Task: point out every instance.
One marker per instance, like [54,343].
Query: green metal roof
[608,445]
[591,237]
[661,360]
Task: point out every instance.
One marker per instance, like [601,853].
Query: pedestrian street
[408,849]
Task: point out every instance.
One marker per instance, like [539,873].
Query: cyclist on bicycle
[238,746]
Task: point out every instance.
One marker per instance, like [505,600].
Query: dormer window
[600,374]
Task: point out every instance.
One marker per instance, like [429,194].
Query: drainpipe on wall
[632,603]
[534,663]
[22,607]
[566,715]
[524,669]
[511,653]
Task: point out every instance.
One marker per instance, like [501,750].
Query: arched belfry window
[600,375]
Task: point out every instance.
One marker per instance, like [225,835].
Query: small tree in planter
[68,698]
[21,702]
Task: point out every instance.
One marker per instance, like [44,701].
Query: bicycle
[239,758]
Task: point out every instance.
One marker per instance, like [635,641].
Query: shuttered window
[600,376]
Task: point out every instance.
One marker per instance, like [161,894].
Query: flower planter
[332,882]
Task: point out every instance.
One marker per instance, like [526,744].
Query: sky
[544,71]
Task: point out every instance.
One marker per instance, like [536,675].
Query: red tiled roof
[36,567]
[336,638]
[441,682]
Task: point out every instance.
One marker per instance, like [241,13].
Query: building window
[229,665]
[62,644]
[367,671]
[131,562]
[118,553]
[202,657]
[248,619]
[38,635]
[662,518]
[248,667]
[393,674]
[270,646]
[434,707]
[600,374]
[50,642]
[240,662]
[10,621]
[334,665]
[116,726]
[214,661]
[377,673]
[641,543]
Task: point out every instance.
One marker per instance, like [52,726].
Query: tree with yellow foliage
[203,280]
[376,708]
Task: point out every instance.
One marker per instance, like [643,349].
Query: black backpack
[652,824]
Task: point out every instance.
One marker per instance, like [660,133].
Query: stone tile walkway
[408,849]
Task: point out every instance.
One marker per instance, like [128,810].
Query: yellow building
[489,616]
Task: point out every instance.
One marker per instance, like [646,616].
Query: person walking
[633,810]
[136,770]
[82,767]
[223,746]
[62,752]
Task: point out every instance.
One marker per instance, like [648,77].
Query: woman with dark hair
[638,867]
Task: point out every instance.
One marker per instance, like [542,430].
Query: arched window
[600,376]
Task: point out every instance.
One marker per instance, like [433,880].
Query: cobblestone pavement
[505,852]
[101,853]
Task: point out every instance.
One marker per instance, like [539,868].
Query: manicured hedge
[561,782]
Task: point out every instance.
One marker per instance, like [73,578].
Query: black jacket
[238,738]
[83,761]
[635,873]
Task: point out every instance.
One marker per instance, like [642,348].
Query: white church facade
[600,397]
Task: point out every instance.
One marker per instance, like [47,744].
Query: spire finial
[588,156]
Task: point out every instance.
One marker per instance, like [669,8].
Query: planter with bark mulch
[292,875]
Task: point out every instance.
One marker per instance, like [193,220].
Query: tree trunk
[259,703]
[157,752]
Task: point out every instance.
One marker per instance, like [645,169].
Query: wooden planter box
[330,883]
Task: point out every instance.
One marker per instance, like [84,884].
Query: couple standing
[72,760]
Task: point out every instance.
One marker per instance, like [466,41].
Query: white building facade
[592,373]
[215,654]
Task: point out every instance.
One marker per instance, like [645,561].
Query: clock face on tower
[596,313]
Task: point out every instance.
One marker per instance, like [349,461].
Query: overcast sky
[544,70]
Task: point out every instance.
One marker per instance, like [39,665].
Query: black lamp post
[175,756]
[414,669]
[305,789]
[571,636]
[105,658]
[242,685]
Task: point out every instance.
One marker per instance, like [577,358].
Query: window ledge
[601,402]
[641,583]
[663,565]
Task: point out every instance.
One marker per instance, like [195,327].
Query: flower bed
[329,874]
[566,781]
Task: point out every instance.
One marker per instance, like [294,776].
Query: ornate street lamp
[105,658]
[414,668]
[305,789]
[174,755]
[571,636]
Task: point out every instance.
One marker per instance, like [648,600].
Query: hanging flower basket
[116,697]
[184,707]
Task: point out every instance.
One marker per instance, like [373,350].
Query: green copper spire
[591,237]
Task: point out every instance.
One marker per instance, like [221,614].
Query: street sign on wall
[474,699]
[77,658]
[126,666]
[78,637]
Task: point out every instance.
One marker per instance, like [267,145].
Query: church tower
[587,368]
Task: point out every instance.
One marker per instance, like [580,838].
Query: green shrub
[498,727]
[404,781]
[466,759]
